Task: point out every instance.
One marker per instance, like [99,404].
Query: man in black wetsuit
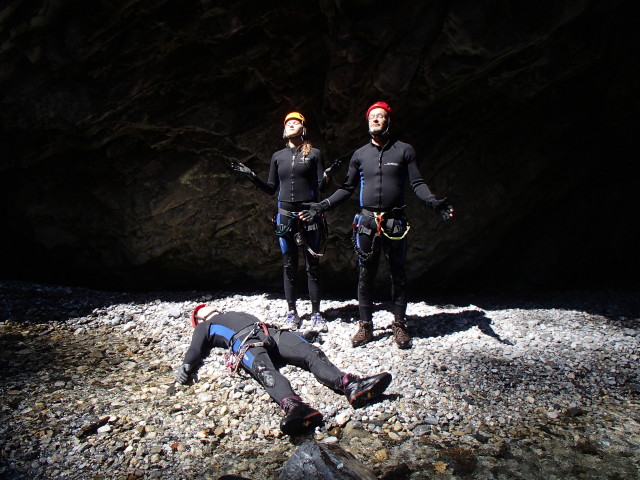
[381,169]
[254,345]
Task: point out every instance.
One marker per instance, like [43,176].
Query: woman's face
[293,128]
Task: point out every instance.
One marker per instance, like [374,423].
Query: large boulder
[315,461]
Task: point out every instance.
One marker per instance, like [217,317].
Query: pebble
[88,386]
[342,418]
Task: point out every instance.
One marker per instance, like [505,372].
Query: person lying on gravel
[254,345]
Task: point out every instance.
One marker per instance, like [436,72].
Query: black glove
[336,164]
[242,168]
[184,374]
[442,207]
[313,209]
[333,168]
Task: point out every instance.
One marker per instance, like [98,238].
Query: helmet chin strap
[302,134]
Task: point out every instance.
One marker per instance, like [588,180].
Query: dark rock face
[119,122]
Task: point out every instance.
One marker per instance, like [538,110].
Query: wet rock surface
[541,386]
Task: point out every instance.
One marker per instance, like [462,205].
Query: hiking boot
[359,391]
[401,334]
[318,322]
[292,321]
[363,335]
[299,417]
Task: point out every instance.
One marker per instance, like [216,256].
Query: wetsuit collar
[387,141]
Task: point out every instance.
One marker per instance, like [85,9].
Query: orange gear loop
[379,217]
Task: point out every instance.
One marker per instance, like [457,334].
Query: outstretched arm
[200,346]
[269,187]
[338,197]
[332,169]
[441,206]
[422,191]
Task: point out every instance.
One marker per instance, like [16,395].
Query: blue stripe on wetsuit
[283,243]
[227,333]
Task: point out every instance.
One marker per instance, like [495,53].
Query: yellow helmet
[296,115]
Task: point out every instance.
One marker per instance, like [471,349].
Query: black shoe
[361,390]
[299,417]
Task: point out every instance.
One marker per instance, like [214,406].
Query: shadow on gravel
[443,324]
[25,302]
[621,304]
[33,303]
[438,325]
[37,303]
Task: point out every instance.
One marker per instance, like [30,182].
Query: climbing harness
[282,230]
[299,237]
[379,218]
[232,360]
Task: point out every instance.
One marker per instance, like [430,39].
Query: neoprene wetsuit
[297,178]
[224,328]
[382,173]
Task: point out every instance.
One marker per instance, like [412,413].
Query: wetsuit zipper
[380,174]
[293,168]
[380,179]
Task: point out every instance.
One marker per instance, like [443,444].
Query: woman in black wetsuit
[297,174]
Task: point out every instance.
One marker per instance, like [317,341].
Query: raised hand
[242,168]
[441,206]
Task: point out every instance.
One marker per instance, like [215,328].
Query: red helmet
[382,105]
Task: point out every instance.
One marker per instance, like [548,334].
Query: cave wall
[119,122]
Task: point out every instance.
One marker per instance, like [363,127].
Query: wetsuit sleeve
[349,185]
[201,344]
[270,186]
[418,184]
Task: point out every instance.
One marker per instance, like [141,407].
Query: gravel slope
[540,386]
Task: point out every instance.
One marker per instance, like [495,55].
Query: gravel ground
[539,386]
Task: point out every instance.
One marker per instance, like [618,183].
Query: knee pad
[263,374]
